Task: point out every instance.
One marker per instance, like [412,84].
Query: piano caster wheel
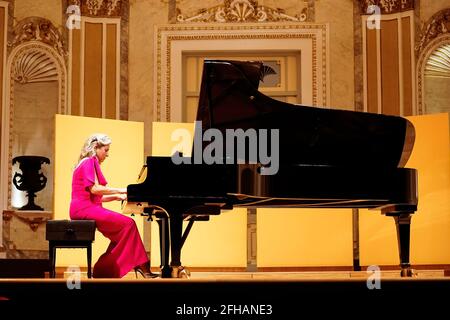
[180,272]
[408,272]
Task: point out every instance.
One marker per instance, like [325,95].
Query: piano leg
[176,229]
[176,242]
[166,270]
[403,223]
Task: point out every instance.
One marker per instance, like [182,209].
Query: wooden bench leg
[89,260]
[51,259]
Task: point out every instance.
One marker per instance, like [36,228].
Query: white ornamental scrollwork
[241,11]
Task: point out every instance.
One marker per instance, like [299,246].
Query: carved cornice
[439,24]
[98,8]
[387,6]
[242,11]
[37,29]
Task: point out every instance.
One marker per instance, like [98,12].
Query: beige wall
[340,18]
[437,95]
[49,9]
[32,130]
[429,7]
[144,15]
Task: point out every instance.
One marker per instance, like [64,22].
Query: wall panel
[95,68]
[75,71]
[111,71]
[389,59]
[407,72]
[372,67]
[390,92]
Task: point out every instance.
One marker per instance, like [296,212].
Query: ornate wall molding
[98,8]
[434,34]
[37,29]
[172,40]
[424,55]
[387,6]
[437,25]
[112,10]
[242,11]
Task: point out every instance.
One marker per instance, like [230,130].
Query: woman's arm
[98,189]
[113,197]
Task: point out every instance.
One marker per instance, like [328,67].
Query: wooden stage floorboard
[260,295]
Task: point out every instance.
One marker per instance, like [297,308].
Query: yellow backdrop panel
[430,225]
[220,242]
[304,237]
[120,169]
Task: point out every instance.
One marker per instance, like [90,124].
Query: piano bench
[69,234]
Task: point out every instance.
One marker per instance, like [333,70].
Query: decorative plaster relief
[387,6]
[38,29]
[438,24]
[98,8]
[242,11]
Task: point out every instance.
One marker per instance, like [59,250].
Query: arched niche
[35,90]
[434,77]
[433,65]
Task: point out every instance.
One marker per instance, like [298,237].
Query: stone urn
[31,180]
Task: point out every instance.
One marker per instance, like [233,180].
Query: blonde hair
[97,140]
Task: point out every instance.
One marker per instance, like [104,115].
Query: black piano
[320,158]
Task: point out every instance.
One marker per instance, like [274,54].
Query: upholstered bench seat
[70,234]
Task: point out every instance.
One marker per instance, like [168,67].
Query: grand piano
[324,159]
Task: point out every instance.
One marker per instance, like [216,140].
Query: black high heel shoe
[148,274]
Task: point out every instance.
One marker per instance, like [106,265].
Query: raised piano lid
[229,99]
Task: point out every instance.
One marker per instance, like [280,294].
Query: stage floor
[236,295]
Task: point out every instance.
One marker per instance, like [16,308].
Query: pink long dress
[126,249]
